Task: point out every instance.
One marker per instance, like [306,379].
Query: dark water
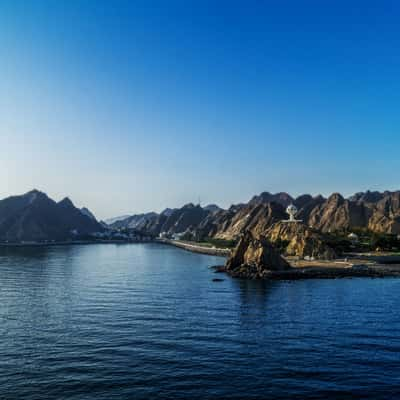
[146,321]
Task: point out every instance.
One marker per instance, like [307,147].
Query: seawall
[212,251]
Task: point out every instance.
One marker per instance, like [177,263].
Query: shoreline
[371,266]
[70,243]
[211,251]
[313,272]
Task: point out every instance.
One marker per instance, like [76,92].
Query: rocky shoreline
[257,258]
[359,271]
[314,270]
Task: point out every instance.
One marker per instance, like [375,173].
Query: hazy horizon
[129,108]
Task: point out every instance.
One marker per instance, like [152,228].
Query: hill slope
[35,217]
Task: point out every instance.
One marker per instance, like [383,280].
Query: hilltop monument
[292,211]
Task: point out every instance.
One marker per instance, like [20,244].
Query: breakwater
[196,248]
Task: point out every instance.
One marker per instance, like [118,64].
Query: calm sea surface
[146,321]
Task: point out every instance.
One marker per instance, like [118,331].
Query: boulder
[254,258]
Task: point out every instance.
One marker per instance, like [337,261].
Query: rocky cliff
[254,258]
[297,239]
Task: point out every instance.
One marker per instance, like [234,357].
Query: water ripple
[146,321]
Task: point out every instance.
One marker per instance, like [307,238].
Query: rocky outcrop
[254,258]
[299,240]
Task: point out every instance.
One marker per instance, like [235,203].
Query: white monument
[292,211]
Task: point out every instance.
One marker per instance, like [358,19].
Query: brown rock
[386,215]
[253,258]
[302,241]
[256,219]
[337,213]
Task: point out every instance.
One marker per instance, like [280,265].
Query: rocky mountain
[170,221]
[212,208]
[376,211]
[110,221]
[368,197]
[183,219]
[168,211]
[306,204]
[337,213]
[281,198]
[35,217]
[138,222]
[254,218]
[88,213]
[297,239]
[385,215]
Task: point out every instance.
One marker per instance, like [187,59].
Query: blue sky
[130,106]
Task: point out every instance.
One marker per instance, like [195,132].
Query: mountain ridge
[375,211]
[34,216]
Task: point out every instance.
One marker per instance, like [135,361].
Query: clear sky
[132,106]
